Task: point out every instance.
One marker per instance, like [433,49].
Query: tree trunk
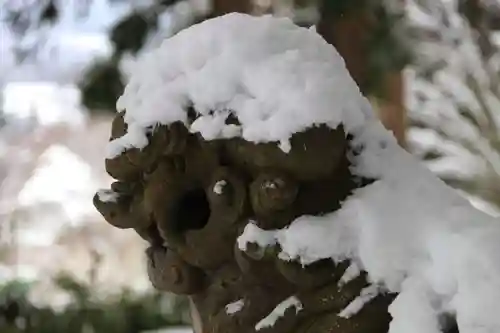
[222,7]
[350,32]
[391,108]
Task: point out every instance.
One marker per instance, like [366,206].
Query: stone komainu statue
[192,193]
[191,198]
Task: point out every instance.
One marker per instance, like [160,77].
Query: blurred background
[431,69]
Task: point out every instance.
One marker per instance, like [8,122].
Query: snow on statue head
[272,196]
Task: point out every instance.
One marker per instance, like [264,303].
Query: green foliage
[124,313]
[131,32]
[50,13]
[101,86]
[103,83]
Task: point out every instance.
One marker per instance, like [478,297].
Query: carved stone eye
[272,192]
[227,193]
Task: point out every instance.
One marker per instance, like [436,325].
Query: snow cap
[275,77]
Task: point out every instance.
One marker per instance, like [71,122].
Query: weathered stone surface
[190,199]
[169,272]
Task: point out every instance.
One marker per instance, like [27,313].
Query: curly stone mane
[191,199]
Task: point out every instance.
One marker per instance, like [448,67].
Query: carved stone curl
[191,199]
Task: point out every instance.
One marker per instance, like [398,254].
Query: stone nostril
[192,211]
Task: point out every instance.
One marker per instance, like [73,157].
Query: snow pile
[413,235]
[235,307]
[278,312]
[408,230]
[219,187]
[352,272]
[367,294]
[107,196]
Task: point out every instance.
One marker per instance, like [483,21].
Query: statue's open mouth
[190,212]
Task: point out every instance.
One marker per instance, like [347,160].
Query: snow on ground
[48,222]
[64,179]
[410,232]
[51,168]
[47,102]
[52,154]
